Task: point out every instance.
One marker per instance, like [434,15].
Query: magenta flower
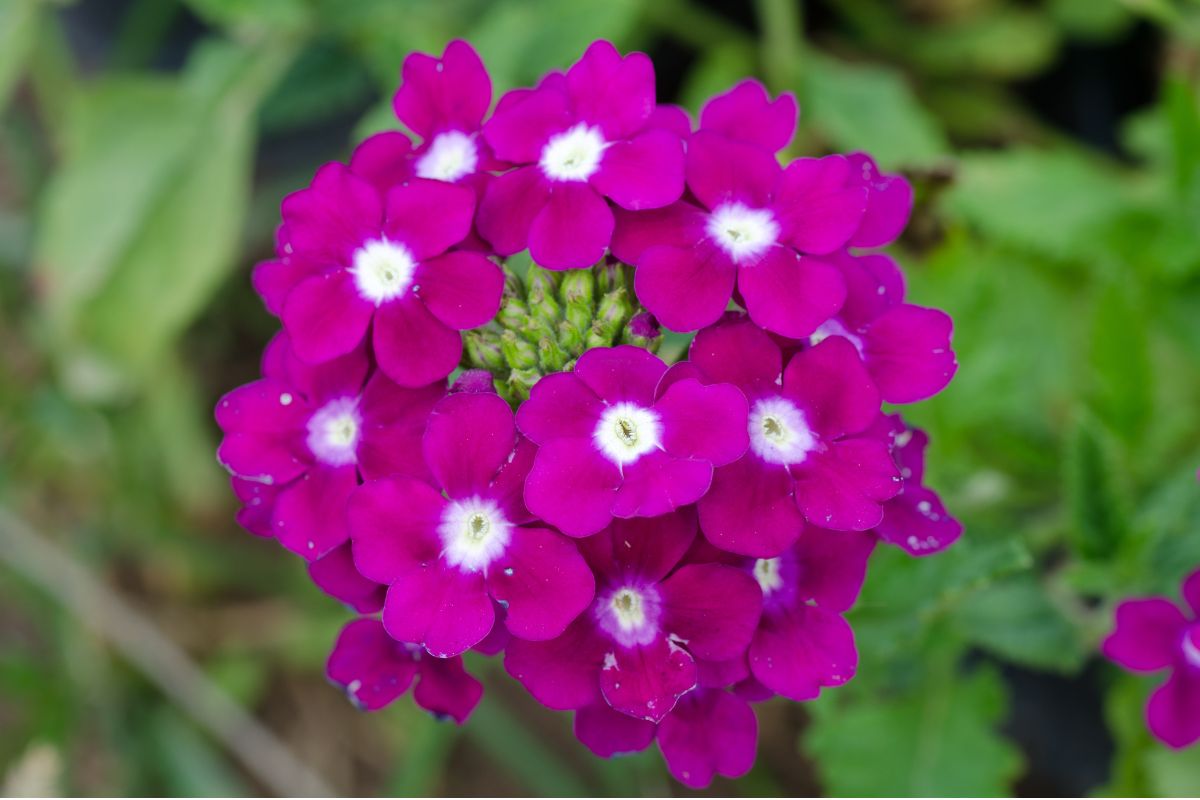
[906,348]
[1152,635]
[577,140]
[753,222]
[811,455]
[335,574]
[889,203]
[636,648]
[916,520]
[374,669]
[309,433]
[803,643]
[747,114]
[444,102]
[381,257]
[448,552]
[610,446]
[709,732]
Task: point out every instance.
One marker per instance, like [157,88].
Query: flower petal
[393,527]
[713,608]
[643,172]
[705,422]
[789,294]
[610,91]
[393,420]
[310,515]
[710,732]
[832,566]
[723,171]
[562,673]
[543,580]
[331,218]
[385,160]
[750,510]
[510,204]
[572,487]
[621,374]
[445,610]
[524,120]
[560,405]
[573,229]
[844,487]
[453,91]
[412,346]
[677,225]
[658,483]
[371,667]
[746,113]
[686,289]
[335,575]
[739,352]
[609,733]
[908,353]
[468,439]
[645,681]
[1147,635]
[798,652]
[446,689]
[325,317]
[818,207]
[832,385]
[1173,712]
[429,216]
[462,289]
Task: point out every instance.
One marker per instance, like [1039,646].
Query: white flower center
[779,434]
[766,572]
[382,270]
[744,233]
[630,614]
[574,154]
[1191,647]
[474,533]
[451,156]
[333,432]
[833,327]
[626,432]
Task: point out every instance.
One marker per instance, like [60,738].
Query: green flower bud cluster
[548,319]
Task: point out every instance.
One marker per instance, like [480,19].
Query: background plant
[1055,147]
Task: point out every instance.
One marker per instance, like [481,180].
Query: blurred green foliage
[134,197]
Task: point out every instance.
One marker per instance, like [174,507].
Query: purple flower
[653,617]
[803,643]
[906,348]
[444,102]
[753,221]
[915,520]
[709,732]
[889,203]
[1151,635]
[577,140]
[374,669]
[380,257]
[610,446]
[448,552]
[811,454]
[335,574]
[309,432]
[747,114]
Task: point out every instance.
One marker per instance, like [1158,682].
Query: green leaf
[1050,202]
[254,16]
[1121,375]
[143,220]
[1017,620]
[1005,43]
[869,107]
[1183,119]
[187,763]
[1099,510]
[937,742]
[18,23]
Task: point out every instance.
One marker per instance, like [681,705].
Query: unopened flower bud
[577,291]
[483,350]
[643,330]
[518,353]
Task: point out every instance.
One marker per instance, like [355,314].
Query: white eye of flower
[451,156]
[333,432]
[630,614]
[574,154]
[474,533]
[779,434]
[1191,647]
[626,432]
[744,233]
[382,270]
[768,575]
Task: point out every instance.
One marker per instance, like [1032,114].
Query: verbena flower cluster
[478,449]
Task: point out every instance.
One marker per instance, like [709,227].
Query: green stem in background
[782,24]
[163,663]
[692,24]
